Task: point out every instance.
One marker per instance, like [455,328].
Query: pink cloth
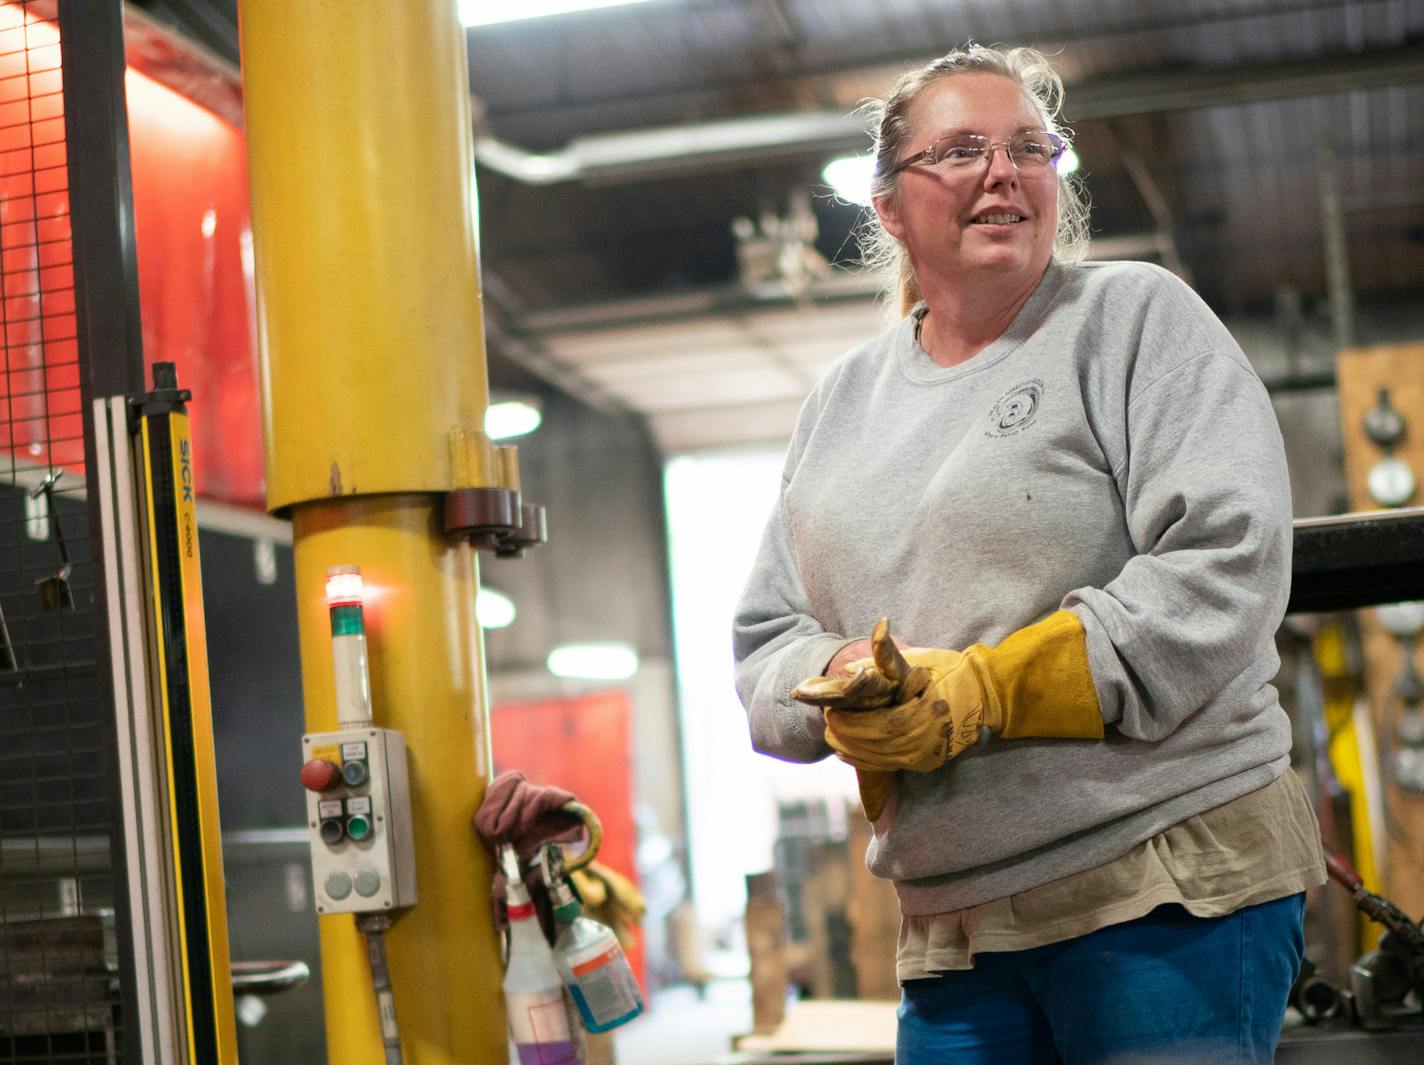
[526,816]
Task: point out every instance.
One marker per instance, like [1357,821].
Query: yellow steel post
[360,153]
[374,391]
[426,680]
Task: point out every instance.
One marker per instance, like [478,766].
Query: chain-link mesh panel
[58,968]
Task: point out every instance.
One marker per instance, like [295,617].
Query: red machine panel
[193,233]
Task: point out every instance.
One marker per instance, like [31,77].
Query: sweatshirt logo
[1015,409]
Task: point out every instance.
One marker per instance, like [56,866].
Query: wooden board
[1360,374]
[874,912]
[766,951]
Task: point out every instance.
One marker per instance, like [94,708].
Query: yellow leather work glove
[868,684]
[612,898]
[1037,682]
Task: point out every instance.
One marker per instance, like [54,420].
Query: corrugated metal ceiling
[1198,121]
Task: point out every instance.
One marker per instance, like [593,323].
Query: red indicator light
[344,587]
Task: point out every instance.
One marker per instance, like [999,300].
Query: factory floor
[682,1027]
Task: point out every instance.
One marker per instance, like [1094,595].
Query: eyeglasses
[1031,151]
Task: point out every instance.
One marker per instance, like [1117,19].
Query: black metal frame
[101,196]
[1357,560]
[110,336]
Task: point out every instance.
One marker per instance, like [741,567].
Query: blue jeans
[1167,987]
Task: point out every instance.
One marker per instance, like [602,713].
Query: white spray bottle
[533,990]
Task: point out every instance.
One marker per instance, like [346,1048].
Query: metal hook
[593,827]
[54,591]
[8,661]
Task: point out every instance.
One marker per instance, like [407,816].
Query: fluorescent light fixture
[489,12]
[514,418]
[606,660]
[494,610]
[1068,162]
[850,176]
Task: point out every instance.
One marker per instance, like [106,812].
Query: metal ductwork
[675,149]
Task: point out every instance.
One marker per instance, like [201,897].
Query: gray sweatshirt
[1112,454]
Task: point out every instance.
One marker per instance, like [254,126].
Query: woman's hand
[853,652]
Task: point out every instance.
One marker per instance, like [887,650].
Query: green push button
[358,827]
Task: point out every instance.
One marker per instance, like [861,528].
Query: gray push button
[368,882]
[338,885]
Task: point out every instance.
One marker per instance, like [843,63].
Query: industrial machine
[1386,989]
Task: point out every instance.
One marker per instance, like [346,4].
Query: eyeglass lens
[1027,150]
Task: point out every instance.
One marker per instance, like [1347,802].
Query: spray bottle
[533,992]
[588,955]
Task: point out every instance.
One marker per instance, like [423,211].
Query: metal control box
[362,846]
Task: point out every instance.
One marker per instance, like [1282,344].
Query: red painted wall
[193,237]
[40,407]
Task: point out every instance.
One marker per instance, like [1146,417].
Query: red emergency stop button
[320,775]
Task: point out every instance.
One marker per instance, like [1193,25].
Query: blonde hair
[889,120]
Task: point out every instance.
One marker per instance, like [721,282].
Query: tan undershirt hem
[1262,846]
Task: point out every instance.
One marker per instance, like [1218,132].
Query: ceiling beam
[1153,197]
[712,301]
[1160,91]
[513,342]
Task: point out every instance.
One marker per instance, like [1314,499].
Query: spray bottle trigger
[563,894]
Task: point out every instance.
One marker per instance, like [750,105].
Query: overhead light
[494,610]
[1067,162]
[488,12]
[514,418]
[850,176]
[606,660]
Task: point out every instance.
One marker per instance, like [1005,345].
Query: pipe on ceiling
[672,149]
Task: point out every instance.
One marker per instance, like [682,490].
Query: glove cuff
[1042,682]
[977,663]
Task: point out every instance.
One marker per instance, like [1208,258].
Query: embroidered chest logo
[1015,409]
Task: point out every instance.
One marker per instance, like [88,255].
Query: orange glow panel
[193,241]
[42,408]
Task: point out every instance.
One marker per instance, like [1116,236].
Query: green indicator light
[358,827]
[346,620]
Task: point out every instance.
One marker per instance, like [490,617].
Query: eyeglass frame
[928,155]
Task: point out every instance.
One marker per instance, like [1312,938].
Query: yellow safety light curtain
[185,710]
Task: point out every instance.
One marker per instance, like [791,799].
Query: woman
[1063,482]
